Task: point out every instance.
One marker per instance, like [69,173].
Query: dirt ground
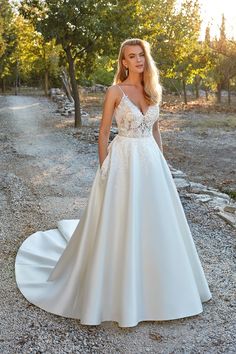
[202,145]
[46,175]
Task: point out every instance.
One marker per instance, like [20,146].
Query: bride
[131,257]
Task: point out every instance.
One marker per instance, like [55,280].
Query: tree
[7,42]
[24,53]
[173,34]
[84,29]
[187,64]
[225,61]
[34,58]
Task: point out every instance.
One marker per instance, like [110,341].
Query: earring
[126,71]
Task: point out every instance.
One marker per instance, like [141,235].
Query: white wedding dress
[131,256]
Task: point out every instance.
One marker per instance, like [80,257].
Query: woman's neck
[134,79]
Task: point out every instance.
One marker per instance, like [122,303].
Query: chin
[139,71]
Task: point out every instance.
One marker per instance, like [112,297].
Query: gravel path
[46,175]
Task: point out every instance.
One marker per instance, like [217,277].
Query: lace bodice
[131,122]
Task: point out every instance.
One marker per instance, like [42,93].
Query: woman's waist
[135,135]
[124,140]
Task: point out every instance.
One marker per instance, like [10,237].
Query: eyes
[133,55]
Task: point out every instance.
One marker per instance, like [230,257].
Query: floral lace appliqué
[131,122]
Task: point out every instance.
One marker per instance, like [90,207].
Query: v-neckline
[143,114]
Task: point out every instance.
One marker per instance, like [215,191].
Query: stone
[200,188]
[228,217]
[114,130]
[218,203]
[201,197]
[178,174]
[231,208]
[217,194]
[181,183]
[85,114]
[196,187]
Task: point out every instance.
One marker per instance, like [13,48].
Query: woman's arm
[157,135]
[106,121]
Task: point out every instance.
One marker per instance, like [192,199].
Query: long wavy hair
[150,79]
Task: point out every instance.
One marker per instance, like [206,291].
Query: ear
[124,63]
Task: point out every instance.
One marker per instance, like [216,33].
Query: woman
[131,256]
[139,77]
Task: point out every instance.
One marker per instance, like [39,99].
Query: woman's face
[134,58]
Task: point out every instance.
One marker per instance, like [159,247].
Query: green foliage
[88,27]
[7,40]
[5,23]
[223,70]
[103,72]
[32,54]
[85,29]
[49,32]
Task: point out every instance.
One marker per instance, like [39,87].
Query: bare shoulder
[113,90]
[113,93]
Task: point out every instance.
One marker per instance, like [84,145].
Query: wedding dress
[131,256]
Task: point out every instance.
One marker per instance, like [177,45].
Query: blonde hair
[150,81]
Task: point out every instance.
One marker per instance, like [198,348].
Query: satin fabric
[130,258]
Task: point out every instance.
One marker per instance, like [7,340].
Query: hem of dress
[91,323]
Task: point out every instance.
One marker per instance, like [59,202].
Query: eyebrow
[135,53]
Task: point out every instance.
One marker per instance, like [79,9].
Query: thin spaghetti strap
[121,89]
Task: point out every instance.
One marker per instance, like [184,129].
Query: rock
[97,88]
[228,217]
[84,114]
[217,194]
[218,203]
[231,208]
[113,132]
[202,197]
[65,106]
[60,111]
[181,183]
[214,198]
[178,174]
[200,188]
[196,187]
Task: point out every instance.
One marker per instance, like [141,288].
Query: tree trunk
[219,88]
[46,82]
[16,88]
[197,82]
[185,93]
[3,85]
[78,121]
[206,93]
[16,79]
[67,86]
[229,93]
